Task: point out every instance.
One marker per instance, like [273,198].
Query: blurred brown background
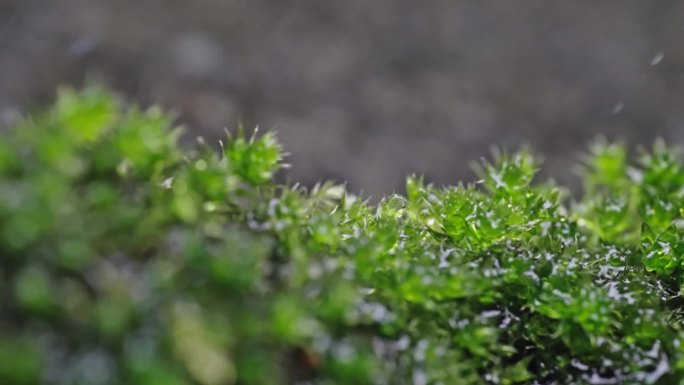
[368,90]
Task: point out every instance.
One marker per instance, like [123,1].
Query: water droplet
[657,58]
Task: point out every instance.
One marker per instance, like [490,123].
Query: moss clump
[125,259]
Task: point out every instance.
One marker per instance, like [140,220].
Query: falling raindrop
[618,108]
[83,46]
[657,58]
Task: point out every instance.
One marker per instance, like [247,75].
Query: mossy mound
[126,259]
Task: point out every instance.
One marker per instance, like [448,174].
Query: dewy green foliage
[125,259]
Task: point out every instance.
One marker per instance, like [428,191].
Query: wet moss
[125,258]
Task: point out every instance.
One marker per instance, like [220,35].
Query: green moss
[125,258]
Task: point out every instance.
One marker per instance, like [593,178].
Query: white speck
[403,343]
[532,275]
[367,291]
[567,298]
[618,108]
[655,350]
[578,364]
[657,58]
[490,313]
[167,183]
[419,378]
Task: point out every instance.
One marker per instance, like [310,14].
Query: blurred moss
[20,361]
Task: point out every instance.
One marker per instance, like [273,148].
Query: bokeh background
[366,91]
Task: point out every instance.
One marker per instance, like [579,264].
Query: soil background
[366,91]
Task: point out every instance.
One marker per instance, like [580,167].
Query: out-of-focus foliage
[125,259]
